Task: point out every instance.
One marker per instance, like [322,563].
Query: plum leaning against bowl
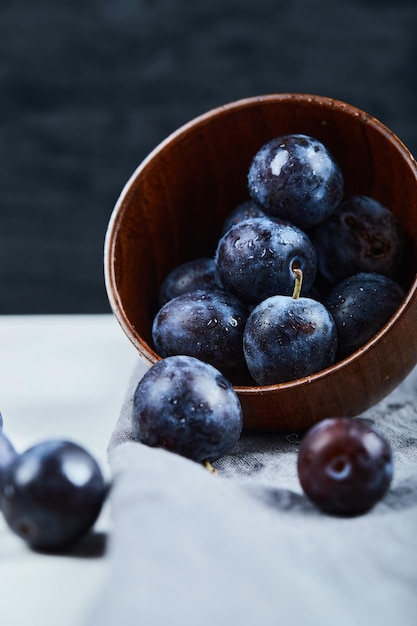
[173,207]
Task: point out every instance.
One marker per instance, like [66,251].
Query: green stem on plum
[209,467]
[298,275]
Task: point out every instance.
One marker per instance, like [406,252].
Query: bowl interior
[173,207]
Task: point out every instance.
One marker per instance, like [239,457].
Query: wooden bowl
[172,210]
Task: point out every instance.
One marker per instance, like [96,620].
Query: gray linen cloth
[246,547]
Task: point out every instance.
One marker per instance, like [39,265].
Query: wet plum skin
[362,235]
[286,339]
[344,465]
[188,407]
[192,275]
[294,177]
[256,258]
[360,306]
[52,494]
[208,325]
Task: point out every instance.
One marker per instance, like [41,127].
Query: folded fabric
[245,546]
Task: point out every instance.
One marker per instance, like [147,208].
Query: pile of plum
[302,276]
[255,313]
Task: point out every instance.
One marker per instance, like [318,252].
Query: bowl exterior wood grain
[173,207]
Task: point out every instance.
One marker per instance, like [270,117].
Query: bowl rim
[144,349]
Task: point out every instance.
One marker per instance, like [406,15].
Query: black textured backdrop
[88,88]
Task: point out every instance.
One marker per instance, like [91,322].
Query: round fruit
[188,407]
[189,276]
[52,494]
[295,178]
[287,338]
[205,324]
[257,257]
[360,306]
[361,235]
[241,212]
[344,465]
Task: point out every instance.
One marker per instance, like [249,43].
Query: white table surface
[67,376]
[60,376]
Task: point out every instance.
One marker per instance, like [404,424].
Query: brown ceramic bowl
[172,210]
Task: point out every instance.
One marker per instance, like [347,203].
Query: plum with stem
[289,337]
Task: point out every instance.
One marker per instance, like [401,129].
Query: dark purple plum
[256,258]
[288,337]
[208,325]
[361,305]
[52,494]
[189,276]
[241,212]
[187,407]
[362,235]
[294,177]
[345,466]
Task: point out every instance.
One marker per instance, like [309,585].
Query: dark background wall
[88,88]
